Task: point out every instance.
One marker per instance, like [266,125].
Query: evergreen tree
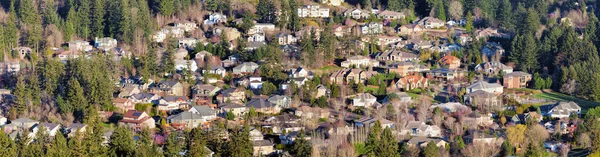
[69,25]
[33,87]
[172,145]
[10,31]
[76,145]
[265,10]
[22,97]
[8,145]
[294,22]
[389,145]
[58,147]
[167,64]
[301,147]
[373,139]
[431,150]
[145,144]
[83,18]
[469,25]
[50,14]
[507,148]
[196,143]
[239,144]
[75,98]
[284,17]
[167,7]
[121,142]
[525,51]
[393,5]
[504,15]
[97,13]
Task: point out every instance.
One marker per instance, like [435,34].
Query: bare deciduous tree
[455,9]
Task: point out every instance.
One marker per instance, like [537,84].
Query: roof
[120,100]
[517,74]
[480,85]
[204,110]
[133,114]
[448,59]
[481,93]
[364,96]
[169,83]
[431,19]
[169,98]
[140,96]
[412,79]
[50,125]
[357,57]
[390,13]
[23,120]
[262,143]
[229,106]
[420,140]
[259,103]
[185,116]
[205,87]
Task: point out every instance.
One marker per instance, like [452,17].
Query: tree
[268,88]
[58,147]
[284,17]
[373,139]
[196,143]
[229,115]
[504,15]
[121,142]
[75,98]
[455,9]
[97,13]
[22,97]
[389,145]
[294,24]
[507,148]
[431,150]
[469,25]
[524,52]
[460,144]
[50,14]
[301,147]
[167,63]
[172,145]
[393,5]
[240,144]
[167,7]
[516,135]
[145,144]
[265,10]
[8,145]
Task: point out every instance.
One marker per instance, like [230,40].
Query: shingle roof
[259,103]
[204,110]
[484,85]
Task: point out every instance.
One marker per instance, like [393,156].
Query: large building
[517,79]
[313,11]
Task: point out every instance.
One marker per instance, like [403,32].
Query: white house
[431,22]
[186,64]
[561,109]
[485,86]
[255,82]
[215,18]
[332,2]
[313,11]
[372,28]
[364,100]
[298,72]
[206,112]
[261,28]
[357,13]
[80,45]
[419,128]
[105,44]
[258,37]
[186,25]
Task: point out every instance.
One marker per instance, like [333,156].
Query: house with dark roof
[204,92]
[197,116]
[263,105]
[561,109]
[169,88]
[245,68]
[145,98]
[232,95]
[419,128]
[421,142]
[481,98]
[137,120]
[123,105]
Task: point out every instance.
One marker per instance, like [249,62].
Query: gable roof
[480,85]
[259,103]
[204,110]
[133,114]
[448,59]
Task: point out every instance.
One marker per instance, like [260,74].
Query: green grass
[374,89]
[585,105]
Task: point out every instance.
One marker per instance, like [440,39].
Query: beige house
[476,118]
[173,88]
[237,110]
[231,34]
[262,148]
[411,82]
[123,105]
[390,15]
[407,68]
[359,61]
[332,2]
[421,142]
[517,79]
[410,29]
[137,120]
[396,56]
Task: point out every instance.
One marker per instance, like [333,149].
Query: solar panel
[137,114]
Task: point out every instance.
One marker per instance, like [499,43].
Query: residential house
[262,148]
[290,137]
[311,112]
[561,109]
[186,25]
[390,15]
[353,76]
[411,82]
[450,107]
[80,45]
[444,74]
[396,56]
[195,117]
[258,37]
[202,55]
[517,79]
[338,76]
[3,120]
[180,54]
[290,49]
[494,88]
[215,18]
[245,68]
[490,32]
[74,128]
[255,82]
[397,96]
[137,120]
[22,123]
[123,105]
[464,38]
[281,101]
[235,109]
[171,103]
[181,64]
[256,135]
[481,98]
[9,67]
[370,122]
[187,43]
[173,32]
[410,29]
[492,48]
[261,28]
[105,43]
[383,40]
[230,33]
[493,68]
[421,142]
[372,28]
[22,51]
[337,128]
[475,118]
[406,68]
[313,11]
[522,118]
[217,70]
[481,138]
[204,91]
[309,30]
[51,129]
[263,106]
[419,128]
[170,88]
[298,72]
[365,100]
[254,45]
[359,61]
[431,22]
[285,39]
[450,62]
[357,13]
[340,30]
[332,2]
[232,95]
[145,98]
[321,91]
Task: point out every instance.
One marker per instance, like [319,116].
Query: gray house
[244,68]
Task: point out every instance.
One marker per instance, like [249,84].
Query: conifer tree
[167,7]
[301,147]
[196,143]
[121,142]
[284,17]
[22,97]
[389,144]
[98,11]
[294,24]
[8,145]
[265,10]
[76,145]
[172,145]
[58,147]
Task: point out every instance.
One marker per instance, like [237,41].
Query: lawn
[563,97]
[371,88]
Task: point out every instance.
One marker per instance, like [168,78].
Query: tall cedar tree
[22,97]
[196,143]
[240,144]
[58,147]
[121,142]
[167,7]
[50,14]
[284,17]
[389,144]
[8,145]
[75,98]
[294,23]
[265,10]
[33,87]
[145,145]
[172,145]
[96,15]
[373,139]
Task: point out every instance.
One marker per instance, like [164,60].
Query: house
[298,72]
[481,98]
[256,135]
[123,105]
[145,98]
[522,118]
[517,79]
[561,109]
[431,22]
[66,55]
[450,107]
[22,51]
[370,121]
[337,128]
[332,2]
[492,48]
[9,67]
[338,76]
[261,28]
[74,128]
[307,30]
[204,91]
[410,29]
[321,91]
[181,64]
[232,95]
[311,112]
[187,43]
[254,45]
[359,61]
[494,88]
[490,32]
[263,106]
[186,25]
[255,82]
[406,68]
[195,117]
[372,28]
[290,137]
[464,38]
[245,68]
[285,39]
[396,56]
[444,74]
[171,103]
[450,62]
[357,13]
[280,100]
[137,120]
[313,11]
[22,123]
[475,118]
[215,18]
[257,37]
[105,43]
[411,82]
[340,30]
[173,32]
[51,129]
[262,148]
[3,120]
[230,33]
[290,49]
[482,138]
[217,70]
[353,76]
[383,40]
[170,88]
[365,100]
[421,142]
[235,109]
[493,68]
[390,15]
[80,45]
[419,128]
[397,96]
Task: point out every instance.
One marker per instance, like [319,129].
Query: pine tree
[10,30]
[284,17]
[167,7]
[75,98]
[167,64]
[22,97]
[373,139]
[83,18]
[58,147]
[528,50]
[294,24]
[389,145]
[504,15]
[98,11]
[7,144]
[172,145]
[265,10]
[239,144]
[469,25]
[33,87]
[196,143]
[431,150]
[301,147]
[393,5]
[50,14]
[145,145]
[76,145]
[69,25]
[121,142]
